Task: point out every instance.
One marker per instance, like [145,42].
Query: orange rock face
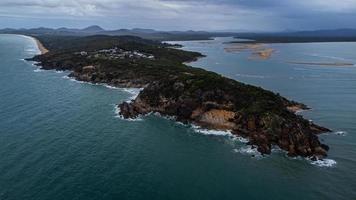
[220,119]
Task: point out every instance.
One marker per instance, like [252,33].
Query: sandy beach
[40,46]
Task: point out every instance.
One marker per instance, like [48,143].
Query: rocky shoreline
[292,133]
[193,95]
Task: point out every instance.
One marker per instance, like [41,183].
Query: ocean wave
[31,50]
[172,118]
[226,133]
[249,150]
[109,86]
[341,133]
[133,91]
[34,63]
[240,139]
[323,162]
[201,130]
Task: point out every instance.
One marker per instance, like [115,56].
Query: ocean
[63,139]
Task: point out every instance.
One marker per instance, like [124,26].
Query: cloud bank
[262,15]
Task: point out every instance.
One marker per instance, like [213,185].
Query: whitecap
[172,118]
[181,123]
[75,80]
[133,91]
[323,162]
[198,129]
[31,50]
[249,150]
[66,77]
[240,139]
[34,63]
[110,87]
[341,133]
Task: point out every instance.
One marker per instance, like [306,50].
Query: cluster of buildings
[116,53]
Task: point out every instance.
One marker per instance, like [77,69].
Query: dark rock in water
[128,111]
[313,158]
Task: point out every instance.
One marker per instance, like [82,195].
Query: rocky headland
[190,95]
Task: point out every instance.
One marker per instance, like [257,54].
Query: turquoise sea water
[60,139]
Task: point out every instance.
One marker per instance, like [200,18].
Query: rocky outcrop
[215,109]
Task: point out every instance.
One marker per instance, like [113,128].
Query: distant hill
[325,33]
[93,29]
[336,35]
[143,33]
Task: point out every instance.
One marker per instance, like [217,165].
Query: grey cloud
[188,14]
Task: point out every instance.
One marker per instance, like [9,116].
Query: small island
[190,95]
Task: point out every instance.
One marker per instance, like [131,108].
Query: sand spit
[259,51]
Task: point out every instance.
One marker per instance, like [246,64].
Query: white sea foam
[240,139]
[324,162]
[198,129]
[341,133]
[75,80]
[226,133]
[110,87]
[66,77]
[181,123]
[31,50]
[102,84]
[249,150]
[34,63]
[134,91]
[172,118]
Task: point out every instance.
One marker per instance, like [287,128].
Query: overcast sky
[260,15]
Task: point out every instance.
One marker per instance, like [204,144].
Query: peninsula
[190,95]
